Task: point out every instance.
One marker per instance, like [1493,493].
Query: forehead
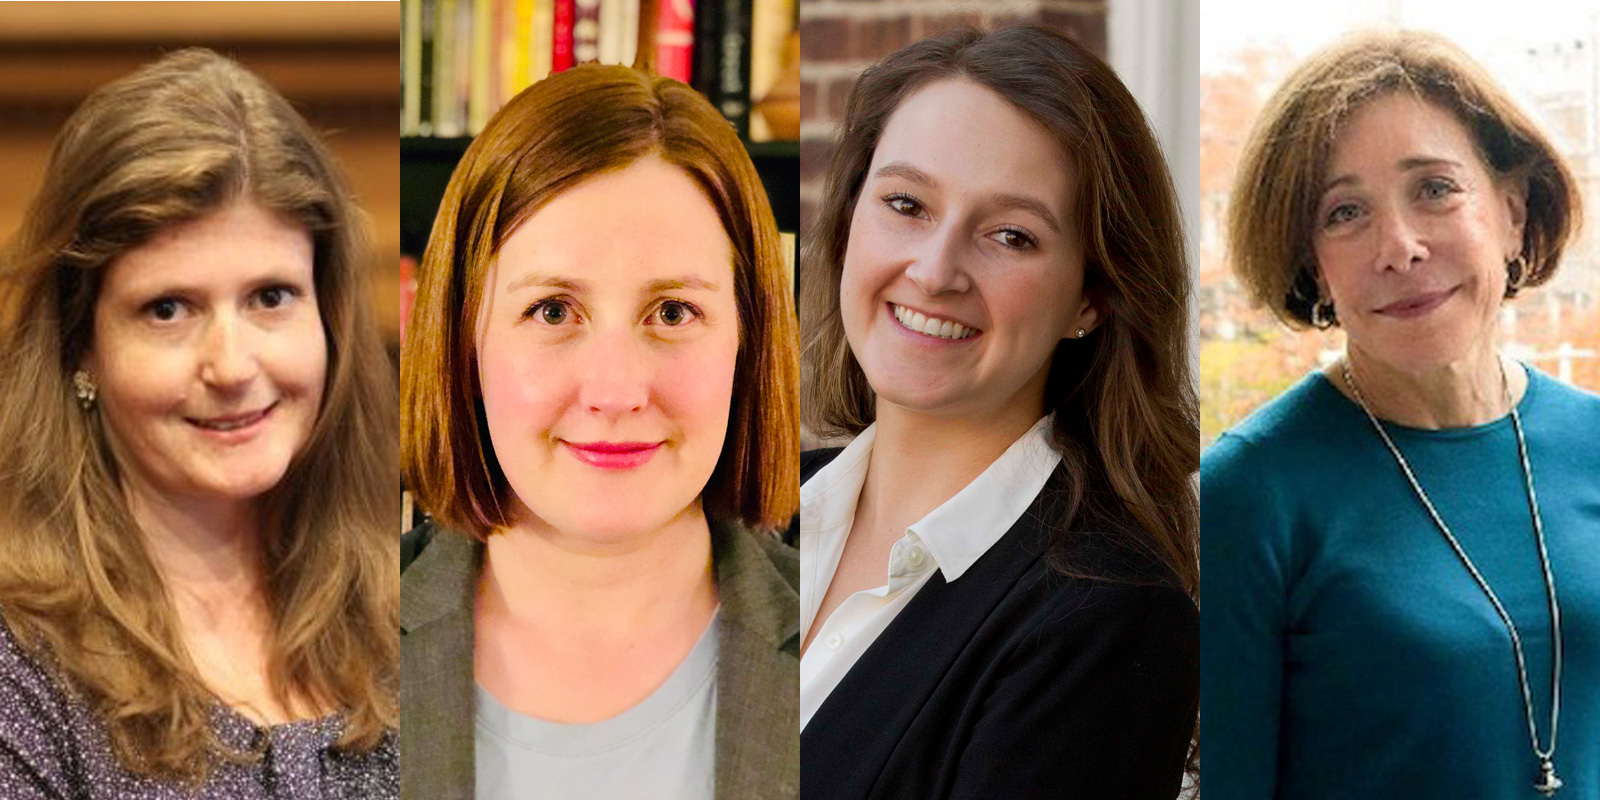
[969,137]
[239,242]
[1395,126]
[634,224]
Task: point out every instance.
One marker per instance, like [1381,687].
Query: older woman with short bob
[197,546]
[599,411]
[1402,588]
[995,305]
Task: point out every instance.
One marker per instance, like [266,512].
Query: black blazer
[1018,682]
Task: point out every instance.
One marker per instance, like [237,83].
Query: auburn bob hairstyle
[552,137]
[1125,413]
[1285,160]
[168,144]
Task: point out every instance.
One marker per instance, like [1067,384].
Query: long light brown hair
[556,134]
[168,144]
[1283,168]
[1125,412]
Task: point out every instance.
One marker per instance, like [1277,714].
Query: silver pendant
[1548,783]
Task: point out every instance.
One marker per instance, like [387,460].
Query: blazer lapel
[436,683]
[758,671]
[846,749]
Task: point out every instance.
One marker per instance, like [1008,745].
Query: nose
[616,374]
[228,358]
[938,267]
[1400,245]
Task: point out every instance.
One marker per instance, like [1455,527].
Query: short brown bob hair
[1285,160]
[555,135]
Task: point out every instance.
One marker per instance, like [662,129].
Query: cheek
[297,359]
[694,386]
[521,392]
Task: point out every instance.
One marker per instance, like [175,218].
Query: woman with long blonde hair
[196,555]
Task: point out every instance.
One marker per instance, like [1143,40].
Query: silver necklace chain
[1548,783]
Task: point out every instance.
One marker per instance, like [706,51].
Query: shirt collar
[961,530]
[958,532]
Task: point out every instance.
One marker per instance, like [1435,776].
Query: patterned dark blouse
[52,748]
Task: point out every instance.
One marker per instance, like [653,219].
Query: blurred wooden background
[337,62]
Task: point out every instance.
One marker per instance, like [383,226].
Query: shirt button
[834,641]
[914,556]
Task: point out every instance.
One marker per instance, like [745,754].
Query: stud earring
[1081,333]
[1322,315]
[84,388]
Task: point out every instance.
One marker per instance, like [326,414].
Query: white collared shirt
[950,539]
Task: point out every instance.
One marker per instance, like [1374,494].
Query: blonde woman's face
[210,356]
[607,344]
[1413,234]
[964,268]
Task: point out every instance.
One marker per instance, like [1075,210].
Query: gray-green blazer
[758,665]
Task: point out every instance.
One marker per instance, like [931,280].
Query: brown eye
[553,313]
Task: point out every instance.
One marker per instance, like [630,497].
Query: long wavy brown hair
[1124,403]
[168,144]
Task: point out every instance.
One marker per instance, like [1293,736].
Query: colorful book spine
[706,76]
[445,85]
[734,85]
[411,67]
[541,39]
[586,31]
[481,78]
[425,105]
[675,39]
[561,36]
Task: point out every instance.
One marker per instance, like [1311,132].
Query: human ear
[1514,198]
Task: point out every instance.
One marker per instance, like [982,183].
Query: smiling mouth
[1417,305]
[235,422]
[918,322]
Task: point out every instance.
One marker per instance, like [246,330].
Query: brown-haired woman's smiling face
[1413,233]
[964,266]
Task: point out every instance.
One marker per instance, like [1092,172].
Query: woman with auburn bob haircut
[1402,586]
[995,300]
[196,553]
[599,411]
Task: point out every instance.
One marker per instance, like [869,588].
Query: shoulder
[784,558]
[1563,402]
[1137,625]
[38,755]
[414,541]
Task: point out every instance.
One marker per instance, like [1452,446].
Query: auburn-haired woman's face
[606,350]
[964,266]
[209,355]
[1413,234]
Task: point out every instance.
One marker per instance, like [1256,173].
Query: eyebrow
[576,286]
[1406,165]
[1014,202]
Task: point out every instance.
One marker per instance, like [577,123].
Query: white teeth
[932,326]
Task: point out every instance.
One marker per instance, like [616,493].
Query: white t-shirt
[950,539]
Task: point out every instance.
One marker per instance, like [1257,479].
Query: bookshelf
[426,164]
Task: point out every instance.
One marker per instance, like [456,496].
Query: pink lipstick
[613,455]
[1416,305]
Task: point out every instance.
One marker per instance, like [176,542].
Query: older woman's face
[964,267]
[1413,234]
[606,349]
[210,355]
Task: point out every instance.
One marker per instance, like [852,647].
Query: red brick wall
[839,38]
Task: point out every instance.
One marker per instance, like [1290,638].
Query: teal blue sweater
[1345,650]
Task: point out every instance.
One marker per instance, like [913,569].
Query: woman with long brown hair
[196,554]
[995,305]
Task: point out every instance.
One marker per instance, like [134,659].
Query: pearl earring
[1081,332]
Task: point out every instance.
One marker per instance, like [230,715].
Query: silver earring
[1081,333]
[85,390]
[1516,274]
[1322,315]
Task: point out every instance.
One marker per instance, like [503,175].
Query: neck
[208,551]
[535,574]
[920,460]
[1472,391]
